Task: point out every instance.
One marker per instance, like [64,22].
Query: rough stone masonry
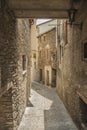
[72,75]
[14,68]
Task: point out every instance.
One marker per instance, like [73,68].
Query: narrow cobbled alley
[46,111]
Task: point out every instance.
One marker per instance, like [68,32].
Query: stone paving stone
[46,111]
[34,112]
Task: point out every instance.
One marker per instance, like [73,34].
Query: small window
[47,53]
[44,38]
[40,39]
[34,55]
[85,50]
[40,54]
[24,62]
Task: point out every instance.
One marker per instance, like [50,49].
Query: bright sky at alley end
[39,21]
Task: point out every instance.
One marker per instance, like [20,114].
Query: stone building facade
[34,52]
[14,69]
[47,57]
[72,69]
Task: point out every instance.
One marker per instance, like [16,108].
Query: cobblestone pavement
[46,111]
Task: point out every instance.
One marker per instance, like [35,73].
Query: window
[40,39]
[44,38]
[40,54]
[85,50]
[47,53]
[24,62]
[34,55]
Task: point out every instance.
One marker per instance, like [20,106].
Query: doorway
[40,74]
[47,77]
[53,77]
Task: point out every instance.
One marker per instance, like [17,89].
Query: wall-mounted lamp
[71,14]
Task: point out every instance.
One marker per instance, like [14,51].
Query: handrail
[82,96]
[3,90]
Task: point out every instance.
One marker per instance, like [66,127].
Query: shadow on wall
[30,104]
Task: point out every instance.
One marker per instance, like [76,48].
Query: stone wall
[34,53]
[72,70]
[14,43]
[47,42]
[23,75]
